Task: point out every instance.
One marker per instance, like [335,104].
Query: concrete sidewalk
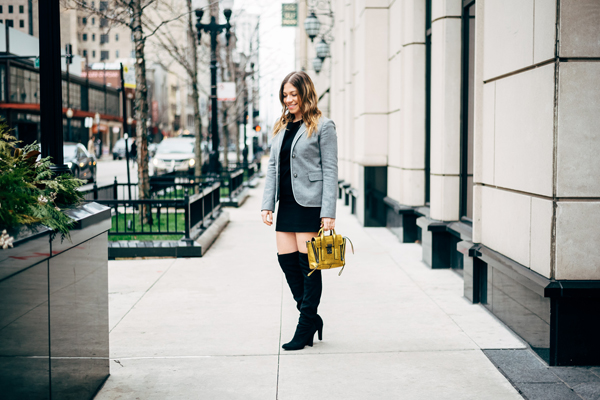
[212,328]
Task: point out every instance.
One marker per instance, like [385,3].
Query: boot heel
[310,342]
[321,333]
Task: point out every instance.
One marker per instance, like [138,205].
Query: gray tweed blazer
[314,169]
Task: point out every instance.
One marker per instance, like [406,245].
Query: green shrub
[30,192]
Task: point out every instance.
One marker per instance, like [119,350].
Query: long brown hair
[308,103]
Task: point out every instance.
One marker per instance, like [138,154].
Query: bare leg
[286,242]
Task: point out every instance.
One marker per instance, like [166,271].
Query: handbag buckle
[329,249]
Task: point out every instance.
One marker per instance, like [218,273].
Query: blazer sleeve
[329,162]
[268,200]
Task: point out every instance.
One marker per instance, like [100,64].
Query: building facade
[20,14]
[306,51]
[471,127]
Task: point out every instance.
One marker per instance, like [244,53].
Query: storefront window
[24,86]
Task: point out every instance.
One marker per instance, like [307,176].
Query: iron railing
[164,216]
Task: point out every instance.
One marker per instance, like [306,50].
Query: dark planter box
[54,310]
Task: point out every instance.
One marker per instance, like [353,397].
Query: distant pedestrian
[98,147]
[303,176]
[91,146]
[133,151]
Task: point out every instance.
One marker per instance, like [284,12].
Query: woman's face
[291,98]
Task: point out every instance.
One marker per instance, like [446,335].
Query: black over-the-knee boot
[293,275]
[309,322]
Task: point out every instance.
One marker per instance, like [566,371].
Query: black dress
[291,216]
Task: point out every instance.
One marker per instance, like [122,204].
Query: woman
[303,176]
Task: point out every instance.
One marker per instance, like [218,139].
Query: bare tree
[131,14]
[184,53]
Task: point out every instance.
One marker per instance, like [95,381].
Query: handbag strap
[351,245]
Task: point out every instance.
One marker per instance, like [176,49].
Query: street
[108,169]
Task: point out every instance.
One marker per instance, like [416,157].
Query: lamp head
[317,64]
[312,26]
[322,49]
[227,13]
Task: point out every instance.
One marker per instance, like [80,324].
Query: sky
[276,52]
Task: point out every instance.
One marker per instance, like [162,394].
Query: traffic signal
[257,128]
[69,53]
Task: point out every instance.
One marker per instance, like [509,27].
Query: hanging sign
[226,91]
[129,76]
[289,14]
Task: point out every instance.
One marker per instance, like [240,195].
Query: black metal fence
[163,216]
[178,205]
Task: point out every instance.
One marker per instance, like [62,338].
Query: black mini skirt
[292,217]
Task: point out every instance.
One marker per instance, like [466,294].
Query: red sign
[110,76]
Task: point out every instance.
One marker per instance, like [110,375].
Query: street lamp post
[214,29]
[50,85]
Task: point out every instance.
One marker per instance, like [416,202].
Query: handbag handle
[322,232]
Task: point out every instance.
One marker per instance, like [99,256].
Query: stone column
[445,109]
[371,107]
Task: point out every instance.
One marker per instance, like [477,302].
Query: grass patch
[119,224]
[115,238]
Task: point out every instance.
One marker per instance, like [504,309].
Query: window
[116,37]
[21,9]
[10,9]
[467,108]
[93,37]
[93,4]
[103,38]
[84,20]
[24,86]
[117,53]
[427,101]
[21,23]
[103,5]
[1,9]
[104,55]
[10,23]
[84,37]
[93,53]
[103,22]
[85,53]
[93,21]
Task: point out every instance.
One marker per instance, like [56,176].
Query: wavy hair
[308,103]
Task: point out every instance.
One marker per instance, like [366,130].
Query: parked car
[118,150]
[174,154]
[81,163]
[152,147]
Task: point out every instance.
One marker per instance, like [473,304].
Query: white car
[174,154]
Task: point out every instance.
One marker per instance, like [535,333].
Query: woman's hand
[328,224]
[267,217]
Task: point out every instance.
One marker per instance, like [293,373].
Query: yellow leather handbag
[326,252]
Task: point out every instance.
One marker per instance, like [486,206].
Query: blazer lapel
[301,130]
